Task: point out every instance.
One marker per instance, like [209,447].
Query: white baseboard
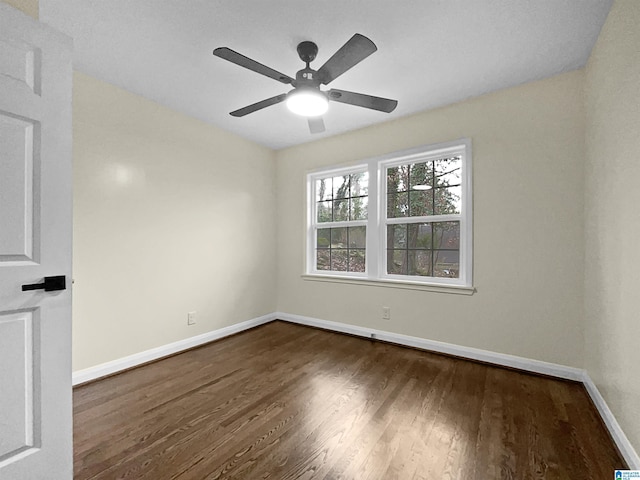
[624,446]
[521,363]
[114,366]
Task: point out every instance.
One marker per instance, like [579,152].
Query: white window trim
[375,270]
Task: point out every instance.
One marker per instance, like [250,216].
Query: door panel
[19,61]
[20,384]
[16,183]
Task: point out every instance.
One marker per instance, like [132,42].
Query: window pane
[397,205]
[446,263]
[446,235]
[342,198]
[397,262]
[359,208]
[398,179]
[340,210]
[396,236]
[421,174]
[419,263]
[356,260]
[323,238]
[448,200]
[323,189]
[359,184]
[339,237]
[341,187]
[448,172]
[323,259]
[339,260]
[357,237]
[324,211]
[419,235]
[420,202]
[341,249]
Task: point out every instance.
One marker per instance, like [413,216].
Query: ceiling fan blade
[246,62]
[351,53]
[316,125]
[259,105]
[362,100]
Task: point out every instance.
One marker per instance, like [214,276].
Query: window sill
[453,289]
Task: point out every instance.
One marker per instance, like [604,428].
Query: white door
[35,242]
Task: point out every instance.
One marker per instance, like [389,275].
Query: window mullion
[372,246]
[381,227]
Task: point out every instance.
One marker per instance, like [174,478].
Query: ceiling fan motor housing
[307,77]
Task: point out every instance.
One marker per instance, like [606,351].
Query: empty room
[319,240]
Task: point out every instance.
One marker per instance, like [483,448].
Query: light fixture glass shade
[308,103]
[421,187]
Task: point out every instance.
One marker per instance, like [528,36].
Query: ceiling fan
[306,98]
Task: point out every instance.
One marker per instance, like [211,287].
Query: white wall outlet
[191,318]
[386,313]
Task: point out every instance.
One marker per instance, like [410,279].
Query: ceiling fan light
[308,103]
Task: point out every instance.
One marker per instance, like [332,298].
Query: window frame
[377,221]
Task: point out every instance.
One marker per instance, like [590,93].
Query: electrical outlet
[191,318]
[386,313]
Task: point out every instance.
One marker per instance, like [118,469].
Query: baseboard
[622,442]
[504,360]
[125,363]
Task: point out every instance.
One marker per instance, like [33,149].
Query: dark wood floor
[284,401]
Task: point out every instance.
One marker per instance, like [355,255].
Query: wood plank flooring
[284,401]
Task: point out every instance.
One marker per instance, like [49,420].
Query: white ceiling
[430,52]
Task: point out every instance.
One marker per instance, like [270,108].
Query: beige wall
[171,215]
[612,201]
[30,7]
[528,194]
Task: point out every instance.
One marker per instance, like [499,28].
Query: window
[339,225]
[405,217]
